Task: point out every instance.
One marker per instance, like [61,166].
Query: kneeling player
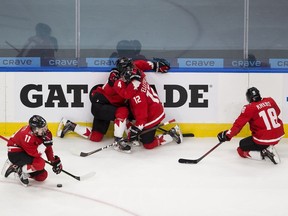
[265,125]
[25,150]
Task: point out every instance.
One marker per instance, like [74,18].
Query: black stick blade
[84,154]
[187,161]
[188,135]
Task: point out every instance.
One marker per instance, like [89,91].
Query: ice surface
[152,182]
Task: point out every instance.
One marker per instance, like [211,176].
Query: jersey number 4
[270,118]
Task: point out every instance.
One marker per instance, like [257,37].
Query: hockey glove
[222,137]
[114,75]
[161,65]
[136,75]
[56,165]
[134,133]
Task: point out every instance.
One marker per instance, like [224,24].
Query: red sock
[243,154]
[96,136]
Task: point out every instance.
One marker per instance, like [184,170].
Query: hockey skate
[6,165]
[271,153]
[176,134]
[12,168]
[64,127]
[135,143]
[23,177]
[121,145]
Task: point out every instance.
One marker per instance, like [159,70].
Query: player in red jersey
[26,149]
[144,103]
[262,114]
[108,105]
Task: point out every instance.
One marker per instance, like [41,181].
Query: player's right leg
[249,149]
[120,122]
[23,165]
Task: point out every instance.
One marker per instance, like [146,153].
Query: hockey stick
[195,161]
[85,154]
[184,134]
[79,178]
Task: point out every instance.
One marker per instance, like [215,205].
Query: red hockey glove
[222,137]
[56,165]
[161,65]
[114,75]
[134,133]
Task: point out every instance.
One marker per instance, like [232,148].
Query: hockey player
[107,105]
[265,125]
[145,106]
[26,149]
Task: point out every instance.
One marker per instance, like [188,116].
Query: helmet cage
[40,131]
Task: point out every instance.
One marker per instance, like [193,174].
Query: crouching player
[266,127]
[26,148]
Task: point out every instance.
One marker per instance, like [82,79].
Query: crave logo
[72,96]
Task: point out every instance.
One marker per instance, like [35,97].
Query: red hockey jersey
[144,102]
[265,125]
[25,140]
[111,95]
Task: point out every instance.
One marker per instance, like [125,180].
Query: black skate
[64,127]
[23,177]
[121,145]
[12,168]
[271,153]
[176,134]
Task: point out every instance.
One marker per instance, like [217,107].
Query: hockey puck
[59,185]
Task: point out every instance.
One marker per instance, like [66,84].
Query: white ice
[152,182]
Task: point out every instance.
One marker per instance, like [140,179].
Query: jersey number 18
[270,114]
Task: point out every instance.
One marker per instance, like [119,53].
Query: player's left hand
[56,165]
[134,133]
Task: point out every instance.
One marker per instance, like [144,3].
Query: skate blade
[61,126]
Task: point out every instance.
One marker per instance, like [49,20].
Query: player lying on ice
[265,125]
[108,105]
[26,148]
